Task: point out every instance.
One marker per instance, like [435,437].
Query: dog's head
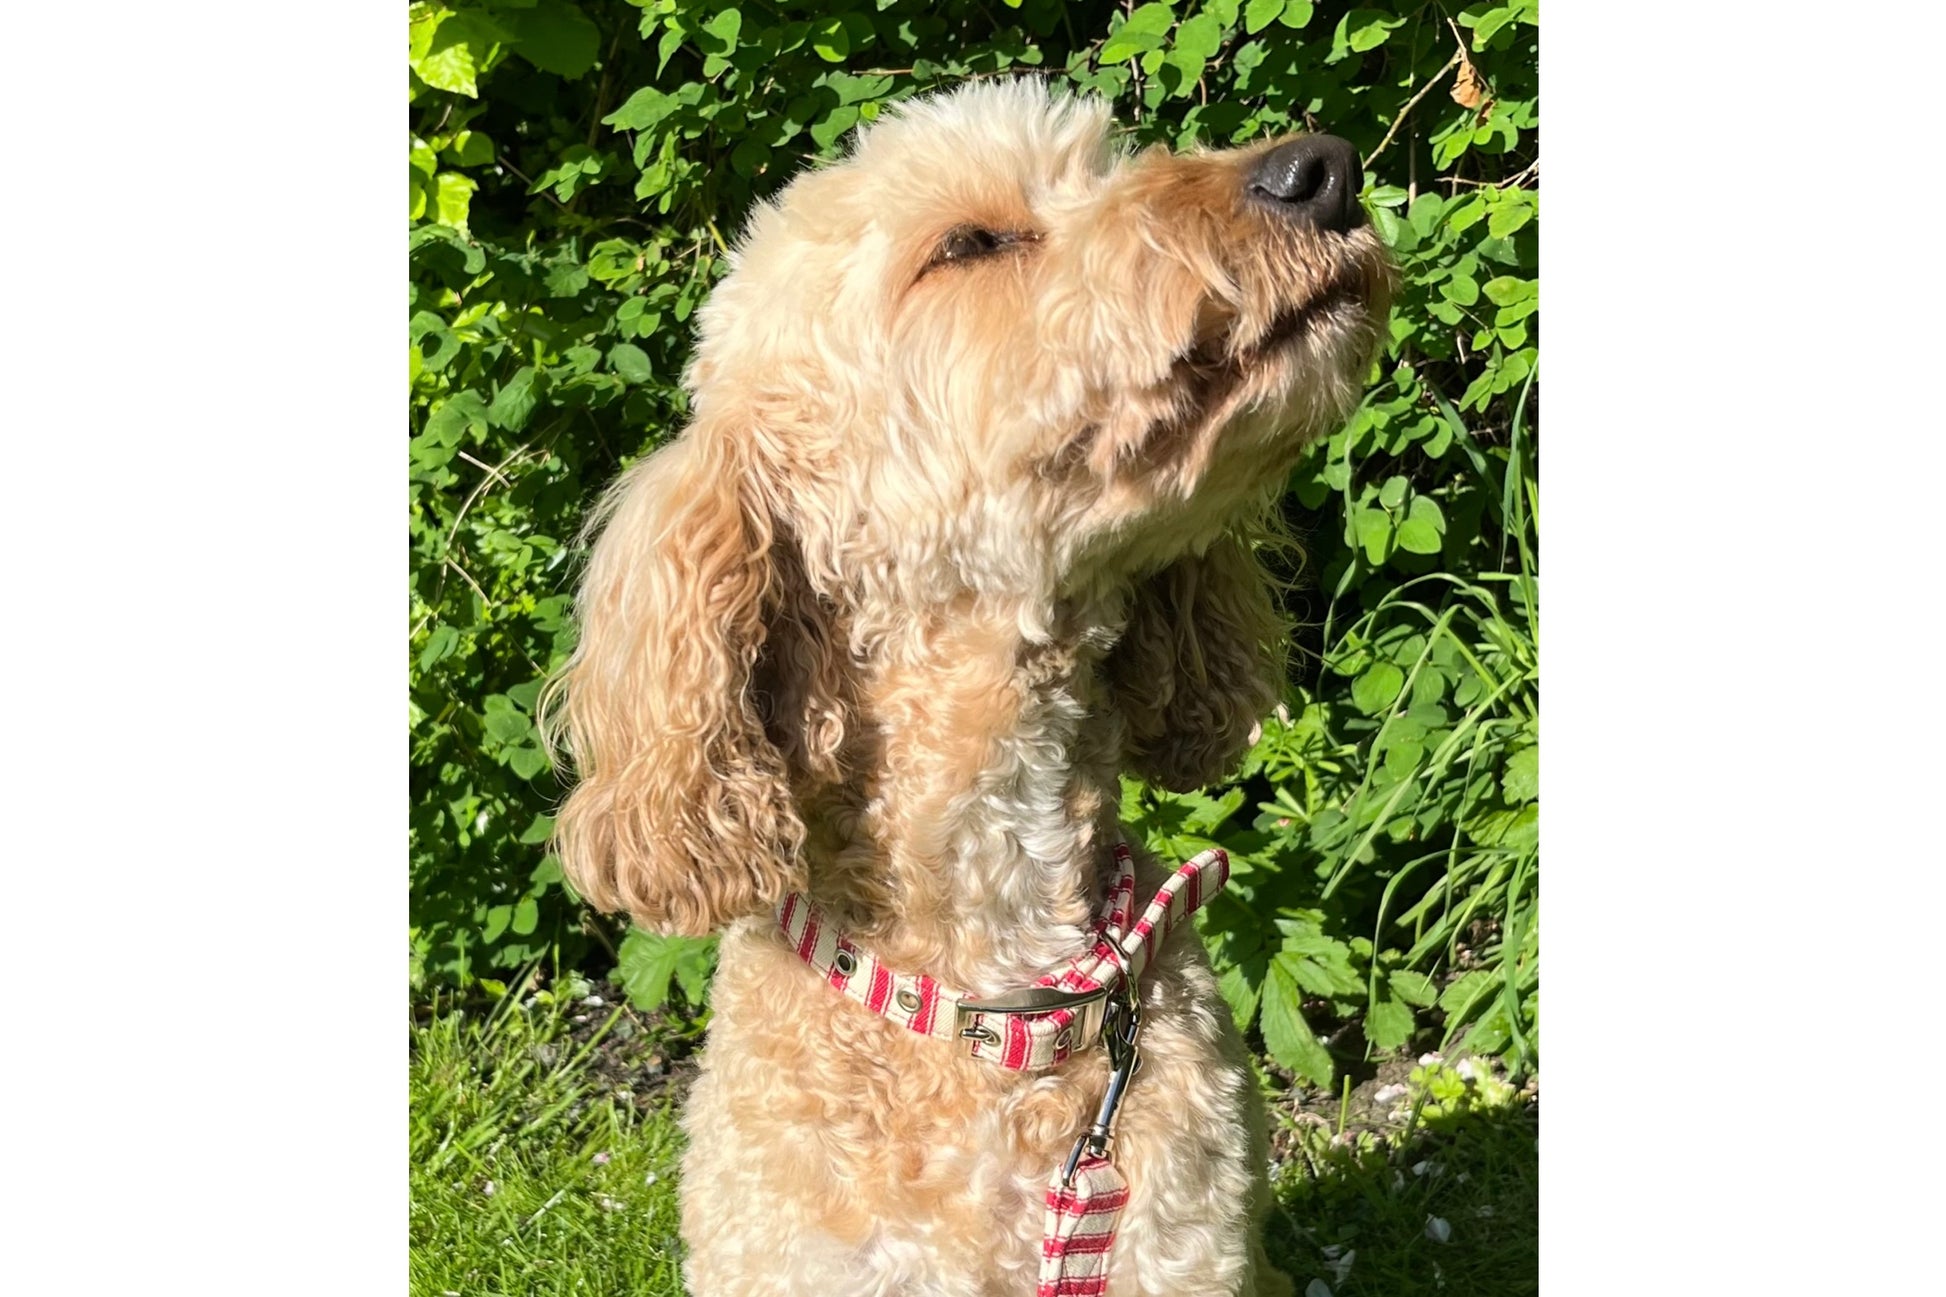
[990,361]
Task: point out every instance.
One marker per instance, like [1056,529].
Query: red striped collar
[1034,1027]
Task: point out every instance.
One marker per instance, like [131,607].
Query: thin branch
[1411,103]
[481,464]
[469,580]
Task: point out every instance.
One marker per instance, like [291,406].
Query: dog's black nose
[1314,178]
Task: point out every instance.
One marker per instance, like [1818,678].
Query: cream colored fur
[947,547]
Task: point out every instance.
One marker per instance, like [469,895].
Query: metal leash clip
[1123,1024]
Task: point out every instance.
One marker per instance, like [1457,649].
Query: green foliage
[575,170]
[528,1174]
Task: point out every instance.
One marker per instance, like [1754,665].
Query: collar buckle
[1090,1009]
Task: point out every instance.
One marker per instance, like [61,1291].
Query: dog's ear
[682,814]
[1199,666]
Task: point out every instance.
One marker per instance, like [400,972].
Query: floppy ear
[1200,665]
[683,813]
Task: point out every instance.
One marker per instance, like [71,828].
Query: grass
[1446,1199]
[527,1177]
[535,1172]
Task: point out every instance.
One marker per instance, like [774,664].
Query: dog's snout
[1314,178]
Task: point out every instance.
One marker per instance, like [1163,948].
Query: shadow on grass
[1451,1206]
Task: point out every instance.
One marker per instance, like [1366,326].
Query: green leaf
[722,30]
[526,917]
[1509,217]
[1413,988]
[1388,1024]
[1287,1036]
[1374,529]
[453,198]
[439,646]
[831,40]
[1145,30]
[1520,781]
[825,133]
[1424,528]
[1509,289]
[1325,973]
[631,362]
[1378,688]
[458,44]
[1259,14]
[1199,37]
[555,37]
[649,106]
[647,962]
[469,149]
[1241,994]
[514,403]
[1296,13]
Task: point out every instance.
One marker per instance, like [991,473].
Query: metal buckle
[1090,1010]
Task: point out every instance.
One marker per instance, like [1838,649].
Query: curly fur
[947,548]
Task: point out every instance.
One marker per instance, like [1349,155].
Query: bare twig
[481,464]
[1410,104]
[447,562]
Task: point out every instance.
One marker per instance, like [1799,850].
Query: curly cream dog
[985,419]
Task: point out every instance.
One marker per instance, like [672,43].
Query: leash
[1095,995]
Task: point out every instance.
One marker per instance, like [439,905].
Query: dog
[987,422]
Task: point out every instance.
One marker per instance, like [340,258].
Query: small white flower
[1428,1060]
[487,1189]
[607,1203]
[1438,1229]
[649,1178]
[1387,1095]
[594,1001]
[1472,1069]
[601,1159]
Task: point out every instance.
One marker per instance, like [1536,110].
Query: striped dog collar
[1036,1026]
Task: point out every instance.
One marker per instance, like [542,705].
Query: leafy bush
[576,170]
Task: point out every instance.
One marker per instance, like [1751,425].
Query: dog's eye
[970,242]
